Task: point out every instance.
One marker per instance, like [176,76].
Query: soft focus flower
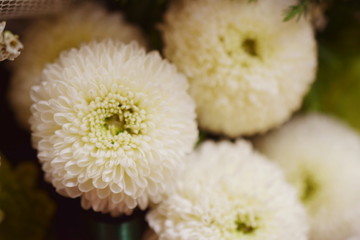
[248,69]
[10,46]
[26,210]
[321,157]
[228,191]
[45,39]
[111,124]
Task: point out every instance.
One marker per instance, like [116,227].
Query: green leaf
[297,10]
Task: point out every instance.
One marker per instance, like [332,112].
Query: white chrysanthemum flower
[321,157]
[248,69]
[45,39]
[10,46]
[228,191]
[111,124]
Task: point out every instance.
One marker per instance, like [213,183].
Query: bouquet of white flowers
[182,119]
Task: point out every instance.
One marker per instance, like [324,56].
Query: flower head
[111,123]
[321,157]
[45,39]
[248,69]
[228,191]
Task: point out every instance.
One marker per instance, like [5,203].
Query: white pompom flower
[321,157]
[45,39]
[111,124]
[248,69]
[228,191]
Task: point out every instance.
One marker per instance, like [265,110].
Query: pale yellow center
[113,121]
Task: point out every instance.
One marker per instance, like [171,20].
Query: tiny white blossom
[10,46]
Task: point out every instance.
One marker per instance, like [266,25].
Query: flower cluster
[116,126]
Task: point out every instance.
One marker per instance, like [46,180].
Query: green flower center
[309,189]
[115,120]
[243,47]
[246,223]
[115,124]
[249,46]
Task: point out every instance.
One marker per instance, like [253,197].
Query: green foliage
[337,87]
[297,10]
[26,210]
[301,8]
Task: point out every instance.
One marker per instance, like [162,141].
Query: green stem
[126,229]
